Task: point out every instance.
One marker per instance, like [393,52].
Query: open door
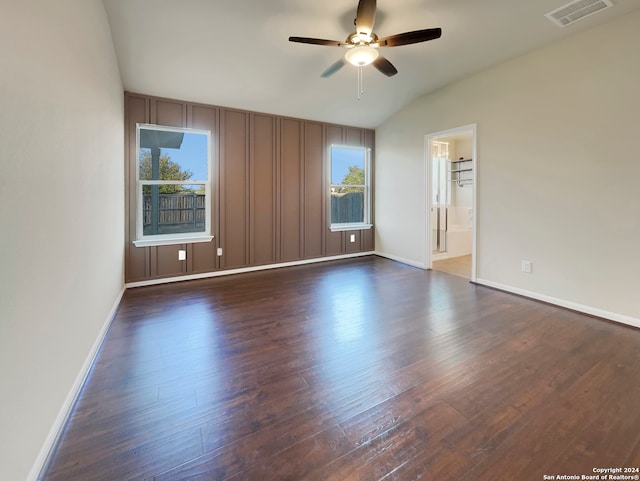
[450,166]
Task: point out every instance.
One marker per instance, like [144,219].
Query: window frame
[366,223]
[143,240]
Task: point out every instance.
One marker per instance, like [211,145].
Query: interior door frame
[429,138]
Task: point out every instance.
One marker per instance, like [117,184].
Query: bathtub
[459,242]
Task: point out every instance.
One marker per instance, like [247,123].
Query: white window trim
[366,224]
[353,226]
[172,241]
[178,238]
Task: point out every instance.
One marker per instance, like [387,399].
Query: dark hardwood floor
[363,369]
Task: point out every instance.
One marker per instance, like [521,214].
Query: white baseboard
[241,270]
[65,411]
[593,311]
[420,265]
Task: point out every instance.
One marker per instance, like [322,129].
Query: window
[349,188]
[173,185]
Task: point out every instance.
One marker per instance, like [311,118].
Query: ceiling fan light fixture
[361,55]
[362,44]
[364,37]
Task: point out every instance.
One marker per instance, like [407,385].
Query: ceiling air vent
[577,10]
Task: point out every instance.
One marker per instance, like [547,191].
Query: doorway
[450,165]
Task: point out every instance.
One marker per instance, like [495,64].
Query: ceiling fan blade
[317,41]
[407,38]
[366,16]
[334,68]
[384,66]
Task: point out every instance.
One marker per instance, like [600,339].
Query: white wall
[558,170]
[61,211]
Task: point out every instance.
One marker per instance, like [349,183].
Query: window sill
[343,227]
[172,241]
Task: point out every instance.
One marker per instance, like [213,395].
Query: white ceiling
[236,53]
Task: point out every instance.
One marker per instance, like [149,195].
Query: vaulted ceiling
[237,53]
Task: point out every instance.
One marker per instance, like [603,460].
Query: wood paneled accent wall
[269,189]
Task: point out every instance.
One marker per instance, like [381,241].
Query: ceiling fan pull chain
[360,86]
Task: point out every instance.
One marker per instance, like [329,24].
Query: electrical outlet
[353,238]
[526,266]
[219,251]
[182,255]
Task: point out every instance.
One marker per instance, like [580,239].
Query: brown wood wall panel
[335,135]
[204,257]
[353,136]
[234,189]
[291,190]
[167,261]
[334,241]
[263,189]
[369,139]
[138,264]
[169,113]
[269,189]
[204,118]
[136,259]
[313,190]
[356,245]
[368,235]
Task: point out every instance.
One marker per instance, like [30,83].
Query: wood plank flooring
[363,369]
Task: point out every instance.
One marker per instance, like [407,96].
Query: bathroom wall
[462,195]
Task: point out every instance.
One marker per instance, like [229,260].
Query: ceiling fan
[362,45]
